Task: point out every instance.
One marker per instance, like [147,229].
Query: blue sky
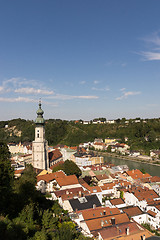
[84,59]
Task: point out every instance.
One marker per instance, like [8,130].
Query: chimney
[143,237]
[127,231]
[94,206]
[104,212]
[113,221]
[102,223]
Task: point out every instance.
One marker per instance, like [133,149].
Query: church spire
[40,120]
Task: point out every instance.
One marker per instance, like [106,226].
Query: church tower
[40,145]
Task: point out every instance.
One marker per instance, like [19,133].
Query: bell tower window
[37,133]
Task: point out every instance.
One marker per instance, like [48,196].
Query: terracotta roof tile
[67,180]
[19,171]
[93,189]
[145,194]
[153,214]
[132,211]
[107,186]
[50,176]
[56,164]
[119,232]
[54,155]
[155,179]
[99,212]
[102,177]
[137,174]
[99,223]
[71,193]
[117,201]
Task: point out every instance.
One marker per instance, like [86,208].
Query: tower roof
[40,120]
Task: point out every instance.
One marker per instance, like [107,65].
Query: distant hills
[141,134]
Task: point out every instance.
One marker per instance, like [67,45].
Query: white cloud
[33,91]
[1,88]
[18,99]
[122,89]
[150,56]
[101,89]
[26,100]
[127,94]
[96,82]
[82,82]
[154,48]
[70,97]
[24,86]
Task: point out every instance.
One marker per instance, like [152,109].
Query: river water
[151,169]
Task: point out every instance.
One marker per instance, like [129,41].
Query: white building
[40,145]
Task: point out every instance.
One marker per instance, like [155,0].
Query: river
[151,169]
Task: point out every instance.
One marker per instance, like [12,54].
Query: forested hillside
[143,135]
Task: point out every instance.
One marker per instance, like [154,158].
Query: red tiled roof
[102,177]
[67,180]
[99,144]
[93,189]
[99,212]
[18,171]
[132,211]
[50,176]
[54,155]
[153,214]
[119,232]
[145,194]
[73,148]
[99,223]
[71,193]
[137,174]
[155,179]
[107,186]
[56,164]
[117,201]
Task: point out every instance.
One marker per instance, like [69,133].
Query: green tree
[121,194]
[40,235]
[71,168]
[109,149]
[66,231]
[48,221]
[28,217]
[6,178]
[25,188]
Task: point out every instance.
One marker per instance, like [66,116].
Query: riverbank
[128,158]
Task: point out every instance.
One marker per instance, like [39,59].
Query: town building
[40,145]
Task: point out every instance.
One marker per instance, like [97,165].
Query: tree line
[144,135]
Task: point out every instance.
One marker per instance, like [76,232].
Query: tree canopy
[69,167]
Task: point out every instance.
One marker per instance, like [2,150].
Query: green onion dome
[40,119]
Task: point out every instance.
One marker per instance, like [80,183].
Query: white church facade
[40,145]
